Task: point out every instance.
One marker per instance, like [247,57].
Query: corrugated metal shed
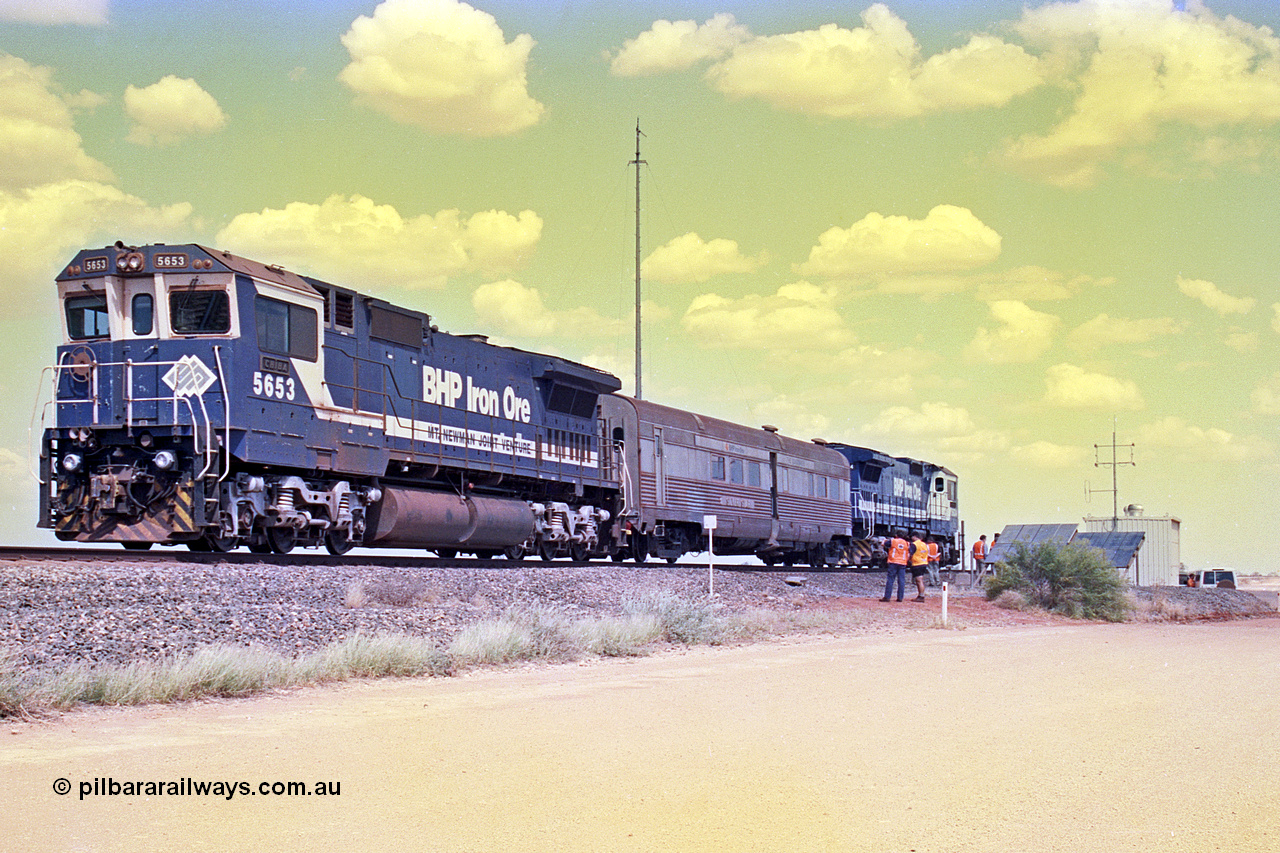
[1160,556]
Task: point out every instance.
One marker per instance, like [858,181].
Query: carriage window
[735,471]
[717,467]
[143,313]
[753,473]
[286,329]
[200,312]
[87,316]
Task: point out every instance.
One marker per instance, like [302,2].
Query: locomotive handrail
[226,415]
[199,422]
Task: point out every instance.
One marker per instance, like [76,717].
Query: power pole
[1114,465]
[638,163]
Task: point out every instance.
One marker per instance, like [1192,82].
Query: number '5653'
[270,385]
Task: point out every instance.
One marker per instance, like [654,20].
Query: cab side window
[87,316]
[143,310]
[286,329]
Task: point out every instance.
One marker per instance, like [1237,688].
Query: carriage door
[773,481]
[659,468]
[138,306]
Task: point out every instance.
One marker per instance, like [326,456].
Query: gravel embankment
[56,614]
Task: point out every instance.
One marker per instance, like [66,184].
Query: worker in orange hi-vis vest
[896,565]
[935,557]
[979,553]
[919,562]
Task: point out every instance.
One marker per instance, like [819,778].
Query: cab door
[140,351]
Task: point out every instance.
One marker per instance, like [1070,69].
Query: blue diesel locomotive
[207,399]
[891,493]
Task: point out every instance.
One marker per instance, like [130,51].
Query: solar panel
[1121,546]
[1030,534]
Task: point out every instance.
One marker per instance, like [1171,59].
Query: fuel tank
[415,518]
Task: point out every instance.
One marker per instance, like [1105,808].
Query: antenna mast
[1114,465]
[638,163]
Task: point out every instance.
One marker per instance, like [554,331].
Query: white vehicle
[1224,578]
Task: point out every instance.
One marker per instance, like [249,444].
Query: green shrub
[1073,580]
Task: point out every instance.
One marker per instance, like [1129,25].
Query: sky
[984,234]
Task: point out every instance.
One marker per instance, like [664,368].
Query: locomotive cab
[144,424]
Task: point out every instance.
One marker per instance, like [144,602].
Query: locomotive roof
[273,273]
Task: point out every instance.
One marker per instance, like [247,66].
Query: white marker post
[709,524]
[944,604]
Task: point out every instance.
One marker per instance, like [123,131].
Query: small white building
[1160,556]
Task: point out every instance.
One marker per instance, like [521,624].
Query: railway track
[382,559]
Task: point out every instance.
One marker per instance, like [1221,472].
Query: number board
[98,264]
[169,260]
[275,365]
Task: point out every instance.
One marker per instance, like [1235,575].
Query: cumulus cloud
[876,71]
[512,309]
[930,419]
[1023,335]
[441,65]
[1266,397]
[1072,387]
[1034,283]
[1137,67]
[40,227]
[1046,454]
[355,239]
[689,258]
[1173,437]
[798,316]
[87,12]
[38,141]
[677,45]
[1214,299]
[1105,330]
[171,110]
[948,238]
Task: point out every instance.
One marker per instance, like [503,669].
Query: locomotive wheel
[446,553]
[618,556]
[515,553]
[282,539]
[258,544]
[639,548]
[338,542]
[817,557]
[137,546]
[200,546]
[221,544]
[547,551]
[578,552]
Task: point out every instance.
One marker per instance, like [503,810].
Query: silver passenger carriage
[779,498]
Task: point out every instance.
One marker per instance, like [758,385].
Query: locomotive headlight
[164,460]
[130,262]
[72,462]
